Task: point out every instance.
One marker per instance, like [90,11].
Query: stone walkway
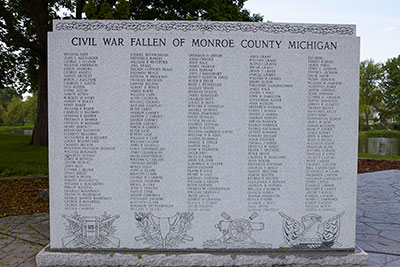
[378,217]
[22,237]
[378,225]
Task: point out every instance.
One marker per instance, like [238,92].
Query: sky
[377,21]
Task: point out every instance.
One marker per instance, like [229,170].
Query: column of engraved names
[148,71]
[81,133]
[322,174]
[204,131]
[264,157]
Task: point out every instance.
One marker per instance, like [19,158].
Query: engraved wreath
[204,27]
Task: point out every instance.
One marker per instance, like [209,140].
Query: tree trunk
[366,118]
[40,132]
[38,10]
[79,8]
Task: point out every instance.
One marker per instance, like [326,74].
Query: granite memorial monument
[206,136]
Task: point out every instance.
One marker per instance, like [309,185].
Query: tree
[24,25]
[217,10]
[370,93]
[23,30]
[2,111]
[6,94]
[391,88]
[14,111]
[30,108]
[12,71]
[15,114]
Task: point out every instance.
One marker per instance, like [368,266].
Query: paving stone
[392,235]
[2,254]
[378,243]
[378,216]
[19,247]
[33,237]
[384,226]
[396,186]
[12,221]
[11,260]
[19,252]
[42,228]
[5,240]
[392,261]
[387,246]
[39,218]
[22,228]
[13,250]
[29,232]
[375,259]
[31,262]
[366,237]
[362,228]
[366,246]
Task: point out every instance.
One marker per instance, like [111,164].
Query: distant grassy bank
[373,156]
[18,158]
[380,133]
[15,129]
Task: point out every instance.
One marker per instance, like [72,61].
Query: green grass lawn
[373,156]
[380,133]
[18,158]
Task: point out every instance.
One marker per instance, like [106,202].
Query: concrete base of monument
[49,258]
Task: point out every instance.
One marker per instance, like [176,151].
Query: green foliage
[370,94]
[17,158]
[379,93]
[20,46]
[391,88]
[122,10]
[30,109]
[105,10]
[15,114]
[2,111]
[6,94]
[18,112]
[216,10]
[11,69]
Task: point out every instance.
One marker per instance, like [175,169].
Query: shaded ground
[374,165]
[20,197]
[17,157]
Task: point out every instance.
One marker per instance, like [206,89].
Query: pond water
[18,131]
[379,146]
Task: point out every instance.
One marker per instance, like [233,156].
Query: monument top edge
[204,26]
